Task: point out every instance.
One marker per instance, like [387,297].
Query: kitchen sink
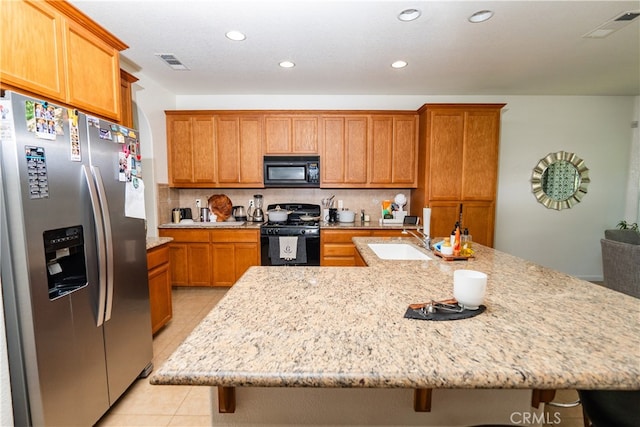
[398,251]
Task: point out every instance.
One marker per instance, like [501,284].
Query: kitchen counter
[211,226]
[344,327]
[154,242]
[339,225]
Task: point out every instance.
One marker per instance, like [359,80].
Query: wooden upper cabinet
[239,150]
[52,50]
[462,151]
[190,141]
[393,151]
[290,134]
[126,80]
[31,48]
[344,152]
[93,73]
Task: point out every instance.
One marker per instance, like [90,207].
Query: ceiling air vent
[612,25]
[172,61]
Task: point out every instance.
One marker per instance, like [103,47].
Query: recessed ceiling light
[399,64]
[409,15]
[287,64]
[481,16]
[235,36]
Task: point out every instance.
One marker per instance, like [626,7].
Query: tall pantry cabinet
[458,167]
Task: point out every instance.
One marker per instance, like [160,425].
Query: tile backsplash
[353,199]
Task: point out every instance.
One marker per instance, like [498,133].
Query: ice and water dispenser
[66,265]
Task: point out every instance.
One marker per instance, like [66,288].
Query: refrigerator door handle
[108,235]
[102,263]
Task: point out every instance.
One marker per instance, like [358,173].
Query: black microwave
[292,171]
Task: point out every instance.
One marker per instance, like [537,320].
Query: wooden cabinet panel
[233,252]
[179,260]
[479,171]
[337,248]
[126,80]
[199,256]
[190,148]
[202,149]
[446,134]
[344,153]
[288,134]
[158,265]
[31,48]
[239,150]
[246,255]
[478,217]
[381,150]
[93,73]
[444,215]
[224,273]
[458,159]
[393,155]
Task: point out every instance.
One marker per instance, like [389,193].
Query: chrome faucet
[424,239]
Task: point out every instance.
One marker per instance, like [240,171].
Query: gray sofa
[621,261]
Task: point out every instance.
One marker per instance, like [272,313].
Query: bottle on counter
[456,244]
[466,243]
[452,239]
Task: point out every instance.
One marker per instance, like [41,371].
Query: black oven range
[294,242]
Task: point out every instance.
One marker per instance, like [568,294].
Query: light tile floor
[154,405]
[147,405]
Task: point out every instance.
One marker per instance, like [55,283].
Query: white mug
[469,288]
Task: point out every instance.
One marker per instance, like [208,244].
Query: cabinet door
[202,144]
[393,158]
[93,73]
[31,48]
[239,150]
[444,216]
[160,296]
[480,159]
[246,255]
[179,260]
[445,131]
[286,134]
[404,159]
[224,270]
[190,150]
[180,150]
[478,217]
[344,150]
[199,264]
[381,150]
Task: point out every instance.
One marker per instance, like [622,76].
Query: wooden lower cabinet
[159,274]
[232,253]
[337,248]
[478,217]
[201,257]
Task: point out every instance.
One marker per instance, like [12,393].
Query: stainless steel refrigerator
[73,266]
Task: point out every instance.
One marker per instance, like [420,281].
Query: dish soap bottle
[456,244]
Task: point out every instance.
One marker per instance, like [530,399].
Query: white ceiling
[347,46]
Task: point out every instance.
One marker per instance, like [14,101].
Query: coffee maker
[257,214]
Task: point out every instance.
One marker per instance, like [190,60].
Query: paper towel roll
[426,221]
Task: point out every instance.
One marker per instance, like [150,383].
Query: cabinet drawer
[157,256]
[342,236]
[194,235]
[339,250]
[234,236]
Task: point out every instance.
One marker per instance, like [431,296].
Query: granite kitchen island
[319,332]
